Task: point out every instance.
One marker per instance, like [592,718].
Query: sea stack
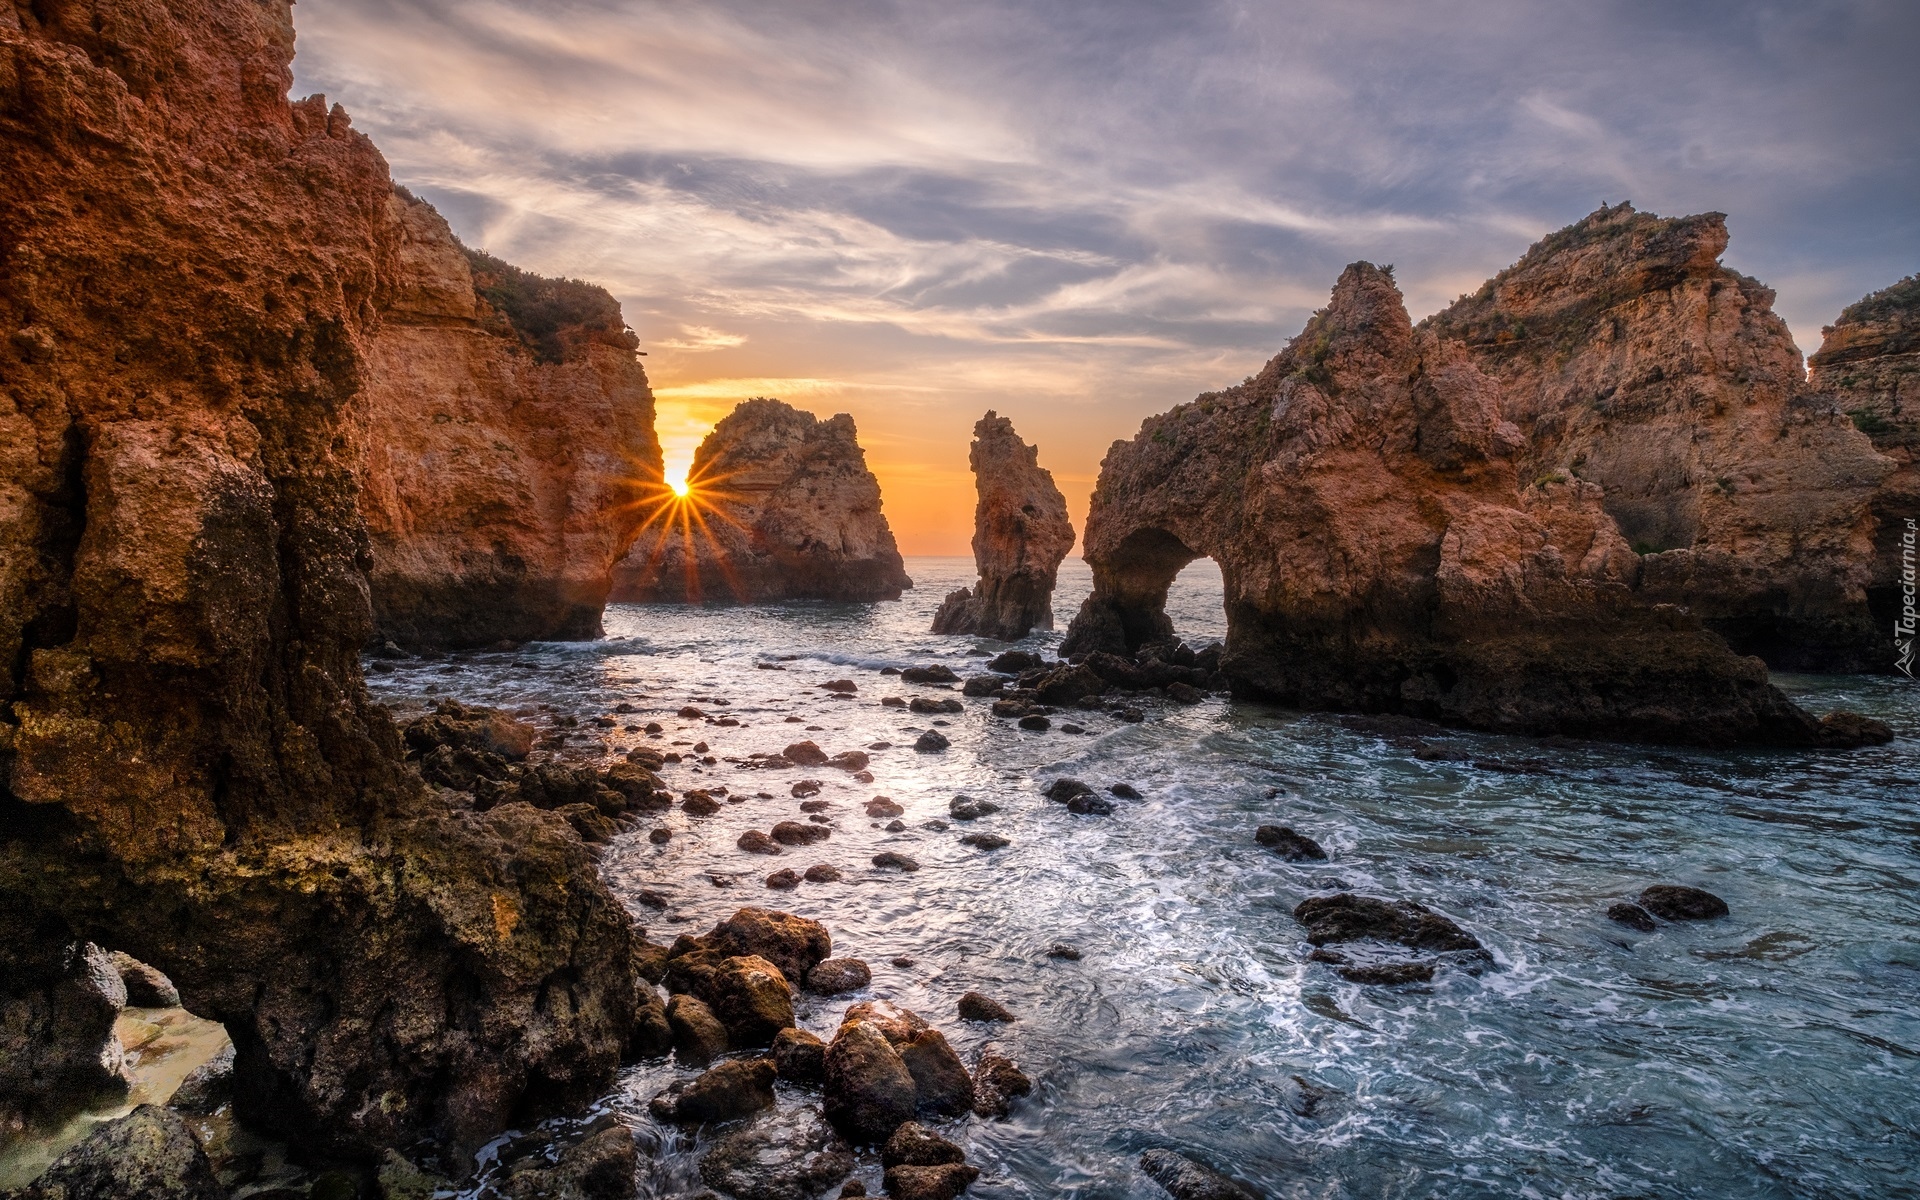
[780,506]
[509,440]
[1631,359]
[1390,544]
[1020,534]
[190,768]
[1869,365]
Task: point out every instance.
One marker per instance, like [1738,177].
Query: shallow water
[1775,1053]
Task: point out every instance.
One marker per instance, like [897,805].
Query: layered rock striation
[1631,359]
[1020,535]
[780,506]
[1869,365]
[1390,544]
[509,445]
[191,270]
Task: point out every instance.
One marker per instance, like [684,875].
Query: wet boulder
[985,841]
[600,1166]
[698,1035]
[850,760]
[207,1087]
[942,1087]
[146,986]
[977,1007]
[800,1057]
[997,1082]
[1012,662]
[869,1091]
[1294,847]
[881,808]
[838,976]
[822,873]
[754,841]
[1345,917]
[748,994]
[784,880]
[1089,805]
[935,673]
[895,861]
[1063,789]
[1035,723]
[966,808]
[780,1156]
[929,1183]
[1066,685]
[149,1154]
[58,1052]
[914,1145]
[800,833]
[931,742]
[1125,791]
[652,1035]
[983,685]
[1631,915]
[805,754]
[700,803]
[793,944]
[1673,902]
[1186,1179]
[732,1089]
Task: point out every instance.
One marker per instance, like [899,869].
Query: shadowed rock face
[190,768]
[507,446]
[782,507]
[1020,534]
[1869,364]
[1631,359]
[1387,546]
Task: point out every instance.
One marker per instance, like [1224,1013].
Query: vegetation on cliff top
[550,316]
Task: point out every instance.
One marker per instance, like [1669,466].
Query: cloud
[1083,212]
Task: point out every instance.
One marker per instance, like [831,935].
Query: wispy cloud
[1082,212]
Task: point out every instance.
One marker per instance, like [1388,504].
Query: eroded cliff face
[1020,535]
[190,769]
[507,446]
[1869,365]
[781,507]
[1631,359]
[1387,546]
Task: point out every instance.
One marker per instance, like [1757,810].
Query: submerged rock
[1283,841]
[780,1156]
[795,513]
[1530,512]
[1673,902]
[1020,534]
[1630,915]
[149,1154]
[976,1007]
[1186,1179]
[1349,918]
[966,808]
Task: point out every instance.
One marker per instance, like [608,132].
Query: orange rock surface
[1020,534]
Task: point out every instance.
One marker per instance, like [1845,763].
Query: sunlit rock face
[1020,534]
[509,444]
[780,506]
[1631,359]
[1389,545]
[1869,365]
[190,768]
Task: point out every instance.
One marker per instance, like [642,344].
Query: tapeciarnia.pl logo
[1903,625]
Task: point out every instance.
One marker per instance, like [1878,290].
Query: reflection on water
[1771,1054]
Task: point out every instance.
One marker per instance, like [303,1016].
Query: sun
[680,487]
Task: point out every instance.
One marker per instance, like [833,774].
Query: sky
[1082,212]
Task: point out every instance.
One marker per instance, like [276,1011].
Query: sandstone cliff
[1869,364]
[190,769]
[509,437]
[1631,359]
[1020,534]
[781,507]
[1387,545]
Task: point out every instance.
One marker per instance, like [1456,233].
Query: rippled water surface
[1772,1054]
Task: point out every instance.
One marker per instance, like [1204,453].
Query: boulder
[931,673]
[146,987]
[941,1084]
[822,873]
[698,1035]
[838,976]
[896,861]
[755,841]
[1186,1179]
[805,754]
[1346,917]
[1630,915]
[1283,841]
[653,1033]
[601,1166]
[732,1089]
[976,1007]
[997,1082]
[800,1057]
[869,1091]
[793,944]
[914,1145]
[798,833]
[746,993]
[58,1051]
[1673,902]
[207,1087]
[929,1183]
[781,1155]
[149,1154]
[931,742]
[966,808]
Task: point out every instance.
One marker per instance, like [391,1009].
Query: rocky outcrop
[1629,358]
[1020,534]
[1869,365]
[508,446]
[1388,544]
[190,768]
[780,506]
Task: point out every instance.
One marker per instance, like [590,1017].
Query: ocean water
[1775,1053]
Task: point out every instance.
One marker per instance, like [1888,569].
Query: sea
[1774,1053]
